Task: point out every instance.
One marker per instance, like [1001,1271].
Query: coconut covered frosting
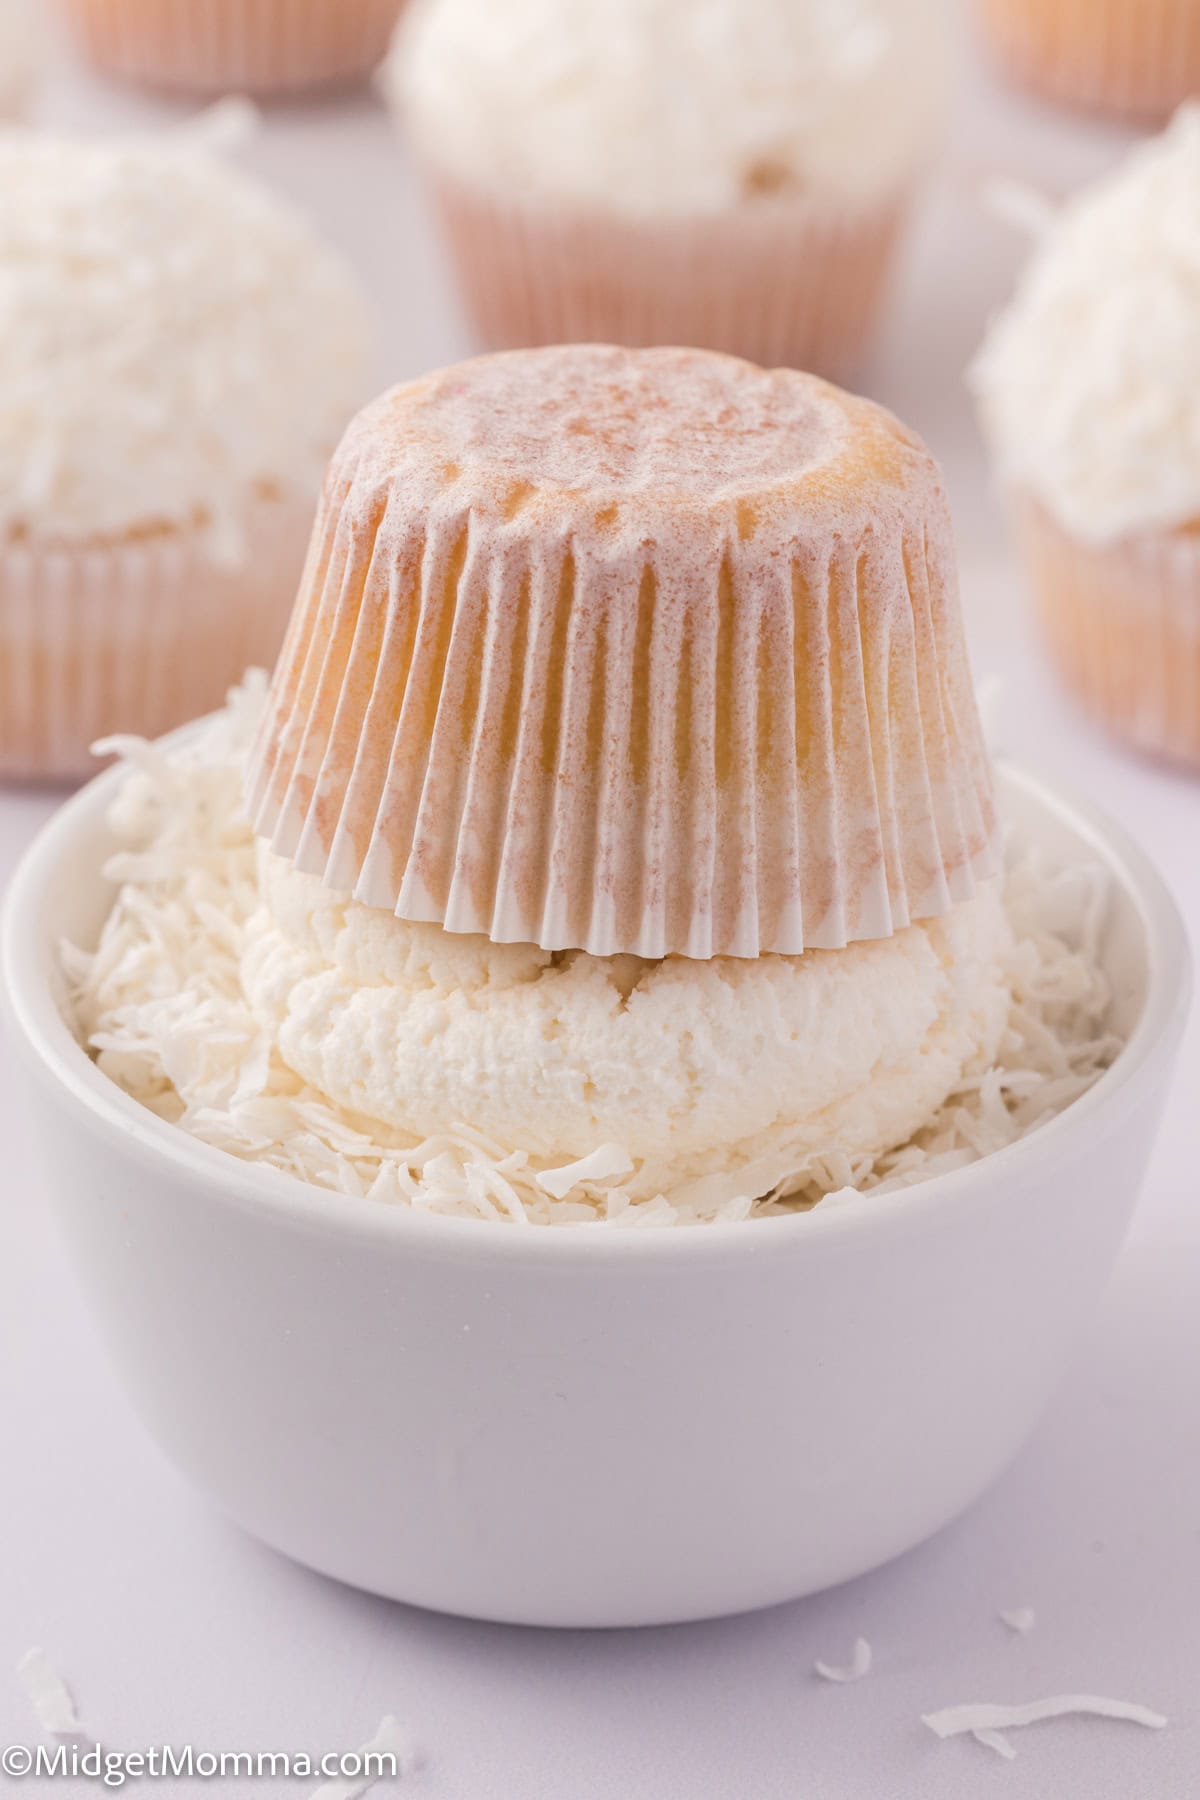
[175,343]
[713,1077]
[648,107]
[185,1004]
[1089,381]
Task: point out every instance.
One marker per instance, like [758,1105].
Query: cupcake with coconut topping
[178,353]
[650,171]
[1088,384]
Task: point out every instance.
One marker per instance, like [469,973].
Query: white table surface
[173,1627]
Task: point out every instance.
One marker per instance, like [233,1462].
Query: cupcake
[646,171]
[179,354]
[1088,386]
[616,840]
[1137,58]
[234,46]
[21,56]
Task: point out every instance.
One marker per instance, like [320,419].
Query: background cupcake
[234,46]
[1136,57]
[1089,385]
[22,52]
[646,171]
[178,353]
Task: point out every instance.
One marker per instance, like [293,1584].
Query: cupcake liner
[792,283]
[692,736]
[136,636]
[1134,58]
[1122,623]
[245,46]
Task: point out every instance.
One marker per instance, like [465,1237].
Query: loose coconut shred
[160,1005]
[49,1695]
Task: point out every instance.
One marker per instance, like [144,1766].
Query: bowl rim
[46,1041]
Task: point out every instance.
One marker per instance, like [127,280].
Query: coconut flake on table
[987,1722]
[48,1694]
[160,1004]
[389,1740]
[858,1666]
[1020,1619]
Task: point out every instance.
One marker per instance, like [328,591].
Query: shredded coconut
[987,1722]
[652,107]
[49,1694]
[1021,1619]
[609,1161]
[858,1666]
[160,1003]
[174,340]
[1088,379]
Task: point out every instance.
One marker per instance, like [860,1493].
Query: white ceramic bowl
[572,1427]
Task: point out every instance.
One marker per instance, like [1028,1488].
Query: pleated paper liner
[215,47]
[137,636]
[793,282]
[1131,58]
[1122,623]
[640,710]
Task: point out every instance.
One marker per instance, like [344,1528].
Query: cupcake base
[136,636]
[222,46]
[1122,622]
[784,283]
[1132,58]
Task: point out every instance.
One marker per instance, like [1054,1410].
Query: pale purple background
[172,1626]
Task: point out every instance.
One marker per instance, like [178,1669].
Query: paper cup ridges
[1129,58]
[800,281]
[133,636]
[1122,623]
[234,46]
[641,651]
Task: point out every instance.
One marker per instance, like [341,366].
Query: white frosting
[174,341]
[697,1069]
[674,106]
[1089,382]
[22,54]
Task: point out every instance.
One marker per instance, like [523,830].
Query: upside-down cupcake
[726,173]
[1089,386]
[1136,58]
[178,355]
[234,46]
